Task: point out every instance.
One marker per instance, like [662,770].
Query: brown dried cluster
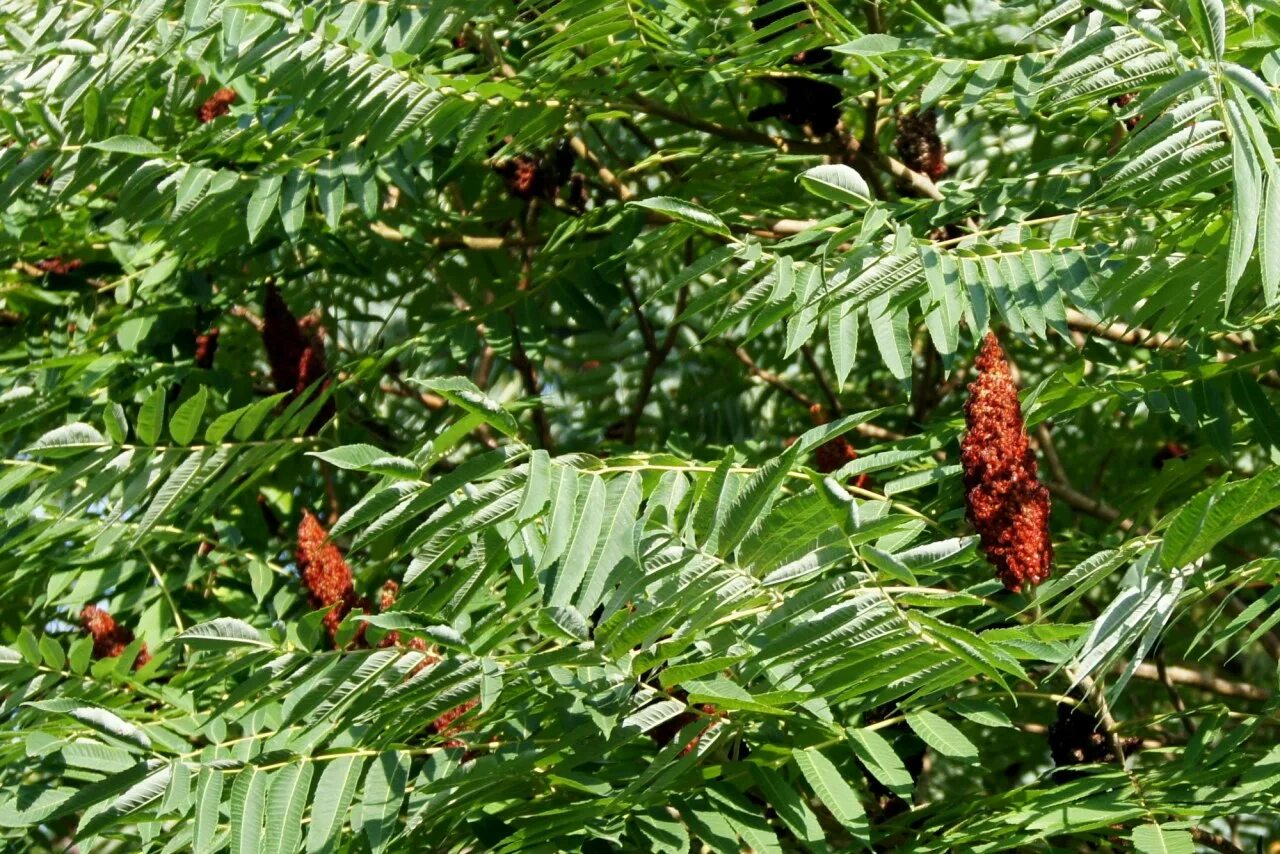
[219,104]
[1078,738]
[109,637]
[326,575]
[1007,504]
[919,145]
[806,103]
[206,347]
[539,176]
[295,349]
[1122,101]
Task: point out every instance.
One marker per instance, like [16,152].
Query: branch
[1204,681]
[772,379]
[1092,506]
[1215,841]
[620,189]
[783,144]
[833,402]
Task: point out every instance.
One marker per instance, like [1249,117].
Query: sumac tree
[560,425]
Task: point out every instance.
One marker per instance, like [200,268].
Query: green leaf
[186,419]
[67,440]
[208,797]
[837,182]
[563,622]
[125,144]
[334,792]
[683,211]
[943,81]
[1246,201]
[293,201]
[384,791]
[705,512]
[1154,839]
[117,424]
[753,499]
[151,418]
[876,753]
[286,802]
[1210,18]
[832,789]
[875,44]
[1213,514]
[941,735]
[266,193]
[464,393]
[537,489]
[889,328]
[248,800]
[223,633]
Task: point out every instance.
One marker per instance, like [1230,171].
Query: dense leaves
[490,426]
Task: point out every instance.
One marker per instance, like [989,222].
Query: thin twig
[833,402]
[1181,707]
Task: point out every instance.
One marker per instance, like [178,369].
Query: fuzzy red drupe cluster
[109,637]
[325,573]
[1007,504]
[219,104]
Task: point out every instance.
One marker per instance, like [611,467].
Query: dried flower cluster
[806,103]
[831,456]
[218,104]
[1078,738]
[109,637]
[295,350]
[538,176]
[919,145]
[326,575]
[1007,504]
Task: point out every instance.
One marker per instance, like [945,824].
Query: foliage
[532,305]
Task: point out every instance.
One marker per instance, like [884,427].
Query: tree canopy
[660,425]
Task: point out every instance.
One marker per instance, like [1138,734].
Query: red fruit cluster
[219,104]
[919,145]
[1007,504]
[447,724]
[326,575]
[109,637]
[1122,101]
[530,176]
[206,346]
[59,266]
